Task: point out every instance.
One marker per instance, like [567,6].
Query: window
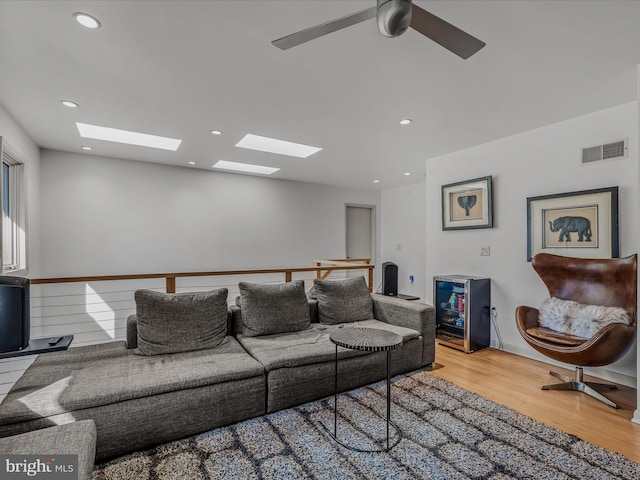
[13,213]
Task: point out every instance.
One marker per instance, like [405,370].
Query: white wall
[17,142]
[106,216]
[538,162]
[27,151]
[403,237]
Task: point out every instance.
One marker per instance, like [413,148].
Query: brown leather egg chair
[608,282]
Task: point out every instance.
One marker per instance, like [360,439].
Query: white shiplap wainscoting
[93,312]
[96,312]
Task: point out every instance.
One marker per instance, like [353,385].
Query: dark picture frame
[581,224]
[467,204]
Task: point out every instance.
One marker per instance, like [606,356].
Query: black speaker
[15,316]
[390,279]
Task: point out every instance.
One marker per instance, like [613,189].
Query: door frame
[374,227]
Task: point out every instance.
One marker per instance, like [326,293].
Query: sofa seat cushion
[104,374]
[309,346]
[552,336]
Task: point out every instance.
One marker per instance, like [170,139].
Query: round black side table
[368,340]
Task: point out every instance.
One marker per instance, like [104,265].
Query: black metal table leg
[335,397]
[388,393]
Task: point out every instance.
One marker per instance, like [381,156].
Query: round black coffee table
[368,340]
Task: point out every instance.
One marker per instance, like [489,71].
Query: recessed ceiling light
[376,181]
[86,148]
[244,167]
[405,121]
[69,103]
[216,132]
[87,20]
[407,173]
[191,163]
[273,145]
[125,136]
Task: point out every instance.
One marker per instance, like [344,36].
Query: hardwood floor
[515,382]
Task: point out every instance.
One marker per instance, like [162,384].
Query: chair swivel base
[579,385]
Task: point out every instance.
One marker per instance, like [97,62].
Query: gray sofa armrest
[234,325]
[409,314]
[77,438]
[132,332]
[313,310]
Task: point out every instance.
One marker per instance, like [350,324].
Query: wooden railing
[95,308]
[351,263]
[170,278]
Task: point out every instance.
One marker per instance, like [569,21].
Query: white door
[360,233]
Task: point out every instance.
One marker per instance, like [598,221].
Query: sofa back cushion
[270,309]
[180,322]
[341,301]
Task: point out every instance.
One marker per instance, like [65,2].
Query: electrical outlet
[485,251]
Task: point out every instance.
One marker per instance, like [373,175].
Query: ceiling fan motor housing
[393,16]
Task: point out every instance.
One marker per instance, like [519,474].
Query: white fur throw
[577,318]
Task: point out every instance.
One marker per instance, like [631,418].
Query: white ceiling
[182,68]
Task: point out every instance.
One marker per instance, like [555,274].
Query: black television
[15,315]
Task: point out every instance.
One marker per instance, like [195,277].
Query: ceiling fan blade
[447,35]
[319,30]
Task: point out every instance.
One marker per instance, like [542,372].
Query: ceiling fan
[394,17]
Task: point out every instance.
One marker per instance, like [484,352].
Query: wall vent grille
[608,151]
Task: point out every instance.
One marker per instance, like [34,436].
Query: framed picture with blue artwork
[467,204]
[576,224]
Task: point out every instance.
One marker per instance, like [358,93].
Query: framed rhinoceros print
[467,204]
[577,224]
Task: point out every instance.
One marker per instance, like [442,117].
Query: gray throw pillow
[341,301]
[180,322]
[269,309]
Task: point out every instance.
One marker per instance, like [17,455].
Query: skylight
[244,167]
[273,145]
[125,136]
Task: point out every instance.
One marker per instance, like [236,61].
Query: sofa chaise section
[136,401]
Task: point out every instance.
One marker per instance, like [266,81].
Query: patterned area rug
[447,433]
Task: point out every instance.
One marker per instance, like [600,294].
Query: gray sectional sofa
[139,400]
